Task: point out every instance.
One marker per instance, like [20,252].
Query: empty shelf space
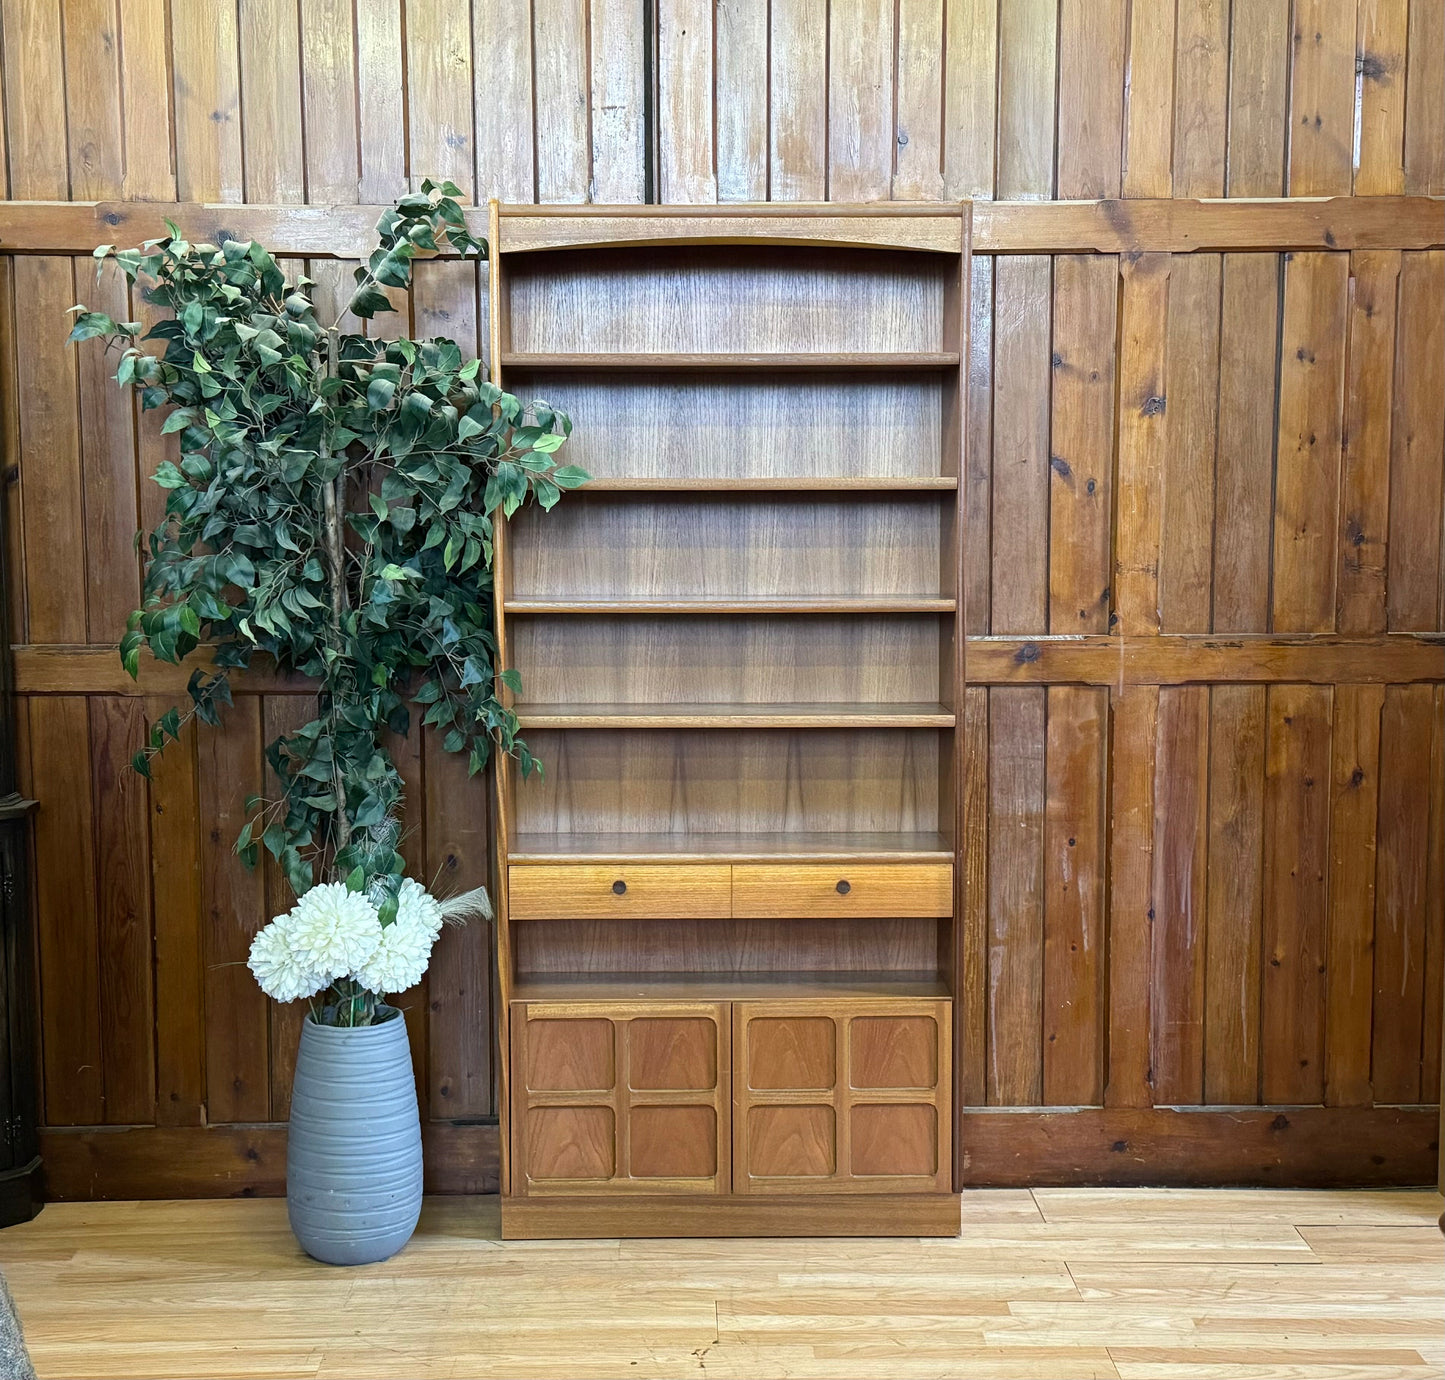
[763,484]
[842,603]
[916,846]
[725,986]
[766,360]
[734,716]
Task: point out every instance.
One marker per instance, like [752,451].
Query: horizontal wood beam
[999,227]
[1169,659]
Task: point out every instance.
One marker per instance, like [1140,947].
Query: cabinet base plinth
[852,1214]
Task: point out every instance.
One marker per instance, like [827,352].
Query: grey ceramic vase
[353,1156]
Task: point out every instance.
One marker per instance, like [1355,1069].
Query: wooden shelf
[888,360]
[919,846]
[774,484]
[776,986]
[729,603]
[734,716]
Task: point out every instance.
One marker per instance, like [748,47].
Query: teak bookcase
[727,942]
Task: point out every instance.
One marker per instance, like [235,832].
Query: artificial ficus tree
[331,510]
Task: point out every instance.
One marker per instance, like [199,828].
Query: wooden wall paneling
[53,503]
[271,101]
[503,82]
[92,99]
[798,100]
[146,108]
[205,64]
[861,99]
[970,87]
[919,116]
[971,993]
[1235,894]
[35,116]
[1149,102]
[1259,65]
[1016,725]
[1092,38]
[1296,841]
[1433,1044]
[742,113]
[1365,444]
[1020,472]
[72,1056]
[11,467]
[439,94]
[1350,943]
[1307,472]
[977,476]
[178,923]
[1081,443]
[1382,32]
[415,1003]
[1247,438]
[561,91]
[1180,887]
[1417,446]
[381,100]
[236,1024]
[329,100]
[1074,894]
[619,132]
[1201,96]
[1400,905]
[1027,87]
[1322,98]
[1192,401]
[123,909]
[686,170]
[1425,100]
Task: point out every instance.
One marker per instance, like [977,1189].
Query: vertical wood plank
[1082,442]
[918,81]
[123,910]
[1381,35]
[1307,472]
[742,100]
[1235,900]
[1322,99]
[415,1002]
[1015,882]
[970,1018]
[1143,434]
[1417,446]
[329,90]
[860,99]
[271,101]
[1135,713]
[1349,957]
[798,100]
[13,506]
[1180,887]
[502,59]
[1027,84]
[1244,459]
[685,102]
[439,93]
[72,1057]
[619,133]
[1296,844]
[1074,935]
[381,100]
[175,858]
[146,112]
[233,902]
[1021,443]
[35,100]
[1259,59]
[978,451]
[1365,442]
[1433,1042]
[1092,37]
[1192,393]
[1425,100]
[1400,907]
[205,64]
[561,91]
[1149,102]
[970,111]
[1201,96]
[92,99]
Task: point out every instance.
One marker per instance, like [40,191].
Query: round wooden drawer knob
[619,887]
[844,888]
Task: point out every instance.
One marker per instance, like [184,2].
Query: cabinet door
[610,1098]
[841,1097]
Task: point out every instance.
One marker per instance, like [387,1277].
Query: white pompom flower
[334,931]
[416,905]
[276,967]
[401,957]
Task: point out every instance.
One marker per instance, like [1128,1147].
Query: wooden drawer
[619,891]
[873,890]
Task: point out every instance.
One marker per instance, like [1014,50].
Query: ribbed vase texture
[353,1158]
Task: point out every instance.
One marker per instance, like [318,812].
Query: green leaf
[90,324]
[569,477]
[356,879]
[379,394]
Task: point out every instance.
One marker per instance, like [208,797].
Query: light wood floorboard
[1143,1284]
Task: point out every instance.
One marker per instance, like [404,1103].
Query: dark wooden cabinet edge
[21,1177]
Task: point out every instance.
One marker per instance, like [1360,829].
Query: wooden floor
[1067,1283]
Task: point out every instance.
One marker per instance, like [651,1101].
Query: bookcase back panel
[801,945]
[726,426]
[810,659]
[600,546]
[710,781]
[752,299]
